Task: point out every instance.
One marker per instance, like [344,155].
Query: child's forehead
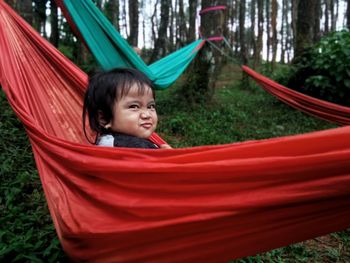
[135,89]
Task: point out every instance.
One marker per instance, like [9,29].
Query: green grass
[26,230]
[235,114]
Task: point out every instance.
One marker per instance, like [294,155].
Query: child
[121,109]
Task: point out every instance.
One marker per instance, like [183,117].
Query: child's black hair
[105,88]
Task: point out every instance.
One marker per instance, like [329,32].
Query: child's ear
[102,121]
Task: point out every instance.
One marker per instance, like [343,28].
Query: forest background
[276,37]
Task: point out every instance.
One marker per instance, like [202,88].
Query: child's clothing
[123,140]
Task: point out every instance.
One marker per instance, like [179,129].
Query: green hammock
[111,50]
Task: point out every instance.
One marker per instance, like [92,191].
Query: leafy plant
[323,71]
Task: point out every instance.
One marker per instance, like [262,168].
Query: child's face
[135,114]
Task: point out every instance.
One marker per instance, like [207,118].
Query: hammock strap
[212,8]
[211,41]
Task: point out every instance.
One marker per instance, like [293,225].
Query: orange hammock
[316,107]
[209,203]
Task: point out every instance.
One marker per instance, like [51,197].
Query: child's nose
[145,114]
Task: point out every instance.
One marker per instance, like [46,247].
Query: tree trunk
[268,29]
[160,45]
[244,57]
[252,27]
[40,16]
[111,10]
[274,30]
[289,37]
[133,22]
[295,4]
[232,20]
[171,45]
[154,23]
[192,21]
[54,37]
[25,8]
[305,25]
[182,25]
[201,77]
[259,46]
[317,29]
[348,14]
[124,19]
[284,25]
[326,15]
[334,14]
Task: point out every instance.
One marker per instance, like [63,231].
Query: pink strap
[212,8]
[215,38]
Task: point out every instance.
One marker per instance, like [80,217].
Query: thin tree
[242,9]
[54,37]
[259,45]
[25,8]
[284,25]
[289,37]
[294,20]
[181,40]
[274,43]
[348,14]
[334,14]
[133,22]
[252,26]
[160,48]
[171,45]
[40,16]
[268,29]
[192,21]
[326,15]
[154,22]
[111,9]
[124,19]
[317,26]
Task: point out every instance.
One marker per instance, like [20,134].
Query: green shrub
[323,71]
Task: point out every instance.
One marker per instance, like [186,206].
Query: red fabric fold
[319,108]
[209,203]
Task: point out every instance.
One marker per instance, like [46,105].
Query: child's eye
[152,106]
[133,106]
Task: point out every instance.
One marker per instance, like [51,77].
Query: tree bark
[274,29]
[348,14]
[160,48]
[133,22]
[201,76]
[181,41]
[305,25]
[40,16]
[257,56]
[112,12]
[284,25]
[252,26]
[326,15]
[124,19]
[317,26]
[25,8]
[54,37]
[192,21]
[244,57]
[154,23]
[268,29]
[294,21]
[171,45]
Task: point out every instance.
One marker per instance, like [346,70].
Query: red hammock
[210,203]
[310,105]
